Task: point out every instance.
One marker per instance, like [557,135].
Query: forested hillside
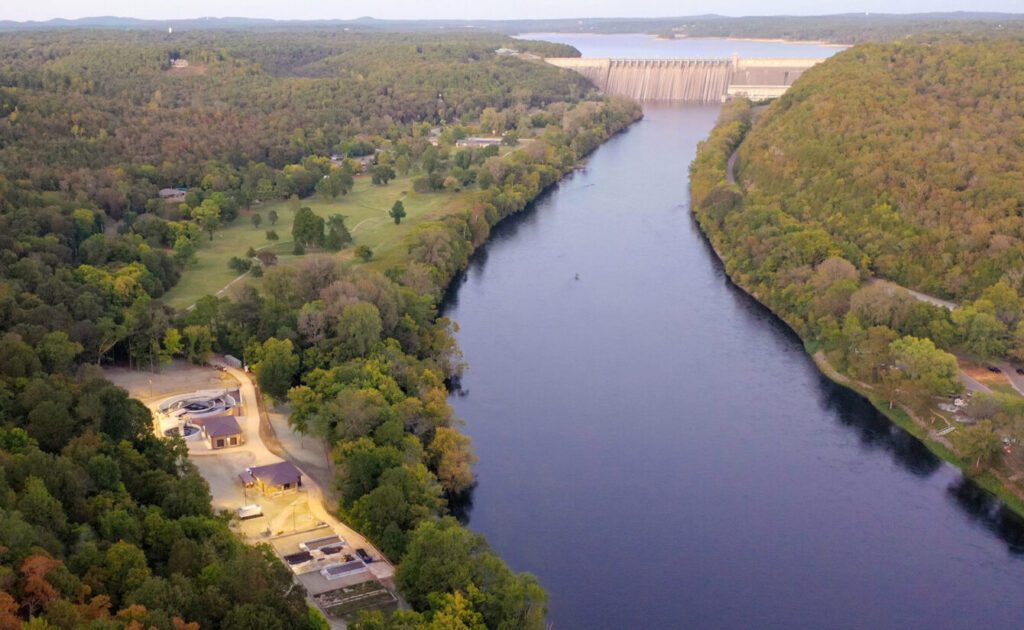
[849,28]
[121,154]
[913,154]
[900,162]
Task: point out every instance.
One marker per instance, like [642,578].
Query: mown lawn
[366,216]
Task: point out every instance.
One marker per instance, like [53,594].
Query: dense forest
[849,28]
[899,162]
[105,525]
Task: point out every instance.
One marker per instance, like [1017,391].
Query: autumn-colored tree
[36,590]
[453,459]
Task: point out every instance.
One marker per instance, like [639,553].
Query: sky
[474,9]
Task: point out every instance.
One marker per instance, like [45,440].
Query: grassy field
[366,216]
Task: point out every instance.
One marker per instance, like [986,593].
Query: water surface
[658,449]
[639,46]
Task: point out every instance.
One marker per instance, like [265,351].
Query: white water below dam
[688,80]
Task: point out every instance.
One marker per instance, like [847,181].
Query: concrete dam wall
[688,80]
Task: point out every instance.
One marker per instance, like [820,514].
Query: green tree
[359,328]
[338,182]
[397,212]
[406,495]
[37,506]
[308,228]
[172,345]
[272,235]
[239,265]
[364,253]
[57,352]
[1006,303]
[982,333]
[184,249]
[272,215]
[257,219]
[50,423]
[124,567]
[980,445]
[382,174]
[360,465]
[207,215]
[926,371]
[456,612]
[277,367]
[443,557]
[1018,342]
[338,235]
[198,343]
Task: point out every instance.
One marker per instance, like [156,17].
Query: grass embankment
[710,171]
[366,215]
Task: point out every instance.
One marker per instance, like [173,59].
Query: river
[659,450]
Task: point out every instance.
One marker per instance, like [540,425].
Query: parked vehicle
[1020,371]
[365,557]
[992,368]
[250,511]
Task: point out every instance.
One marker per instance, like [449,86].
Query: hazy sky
[474,9]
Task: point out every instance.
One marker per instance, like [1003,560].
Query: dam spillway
[688,80]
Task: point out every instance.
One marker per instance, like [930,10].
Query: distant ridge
[830,27]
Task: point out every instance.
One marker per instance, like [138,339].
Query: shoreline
[771,40]
[662,37]
[991,481]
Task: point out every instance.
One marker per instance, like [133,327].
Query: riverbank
[991,481]
[766,40]
[722,167]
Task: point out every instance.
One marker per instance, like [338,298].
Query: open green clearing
[366,215]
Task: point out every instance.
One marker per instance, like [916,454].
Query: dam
[688,80]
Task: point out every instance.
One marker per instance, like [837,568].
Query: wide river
[657,448]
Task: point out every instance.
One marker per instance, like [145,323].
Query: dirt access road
[262,446]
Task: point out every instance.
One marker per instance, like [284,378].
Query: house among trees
[478,142]
[366,161]
[173,195]
[273,478]
[220,431]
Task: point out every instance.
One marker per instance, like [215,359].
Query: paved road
[730,167]
[1009,370]
[917,295]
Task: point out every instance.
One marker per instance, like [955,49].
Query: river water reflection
[658,449]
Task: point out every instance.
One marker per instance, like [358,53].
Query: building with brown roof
[273,478]
[220,431]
